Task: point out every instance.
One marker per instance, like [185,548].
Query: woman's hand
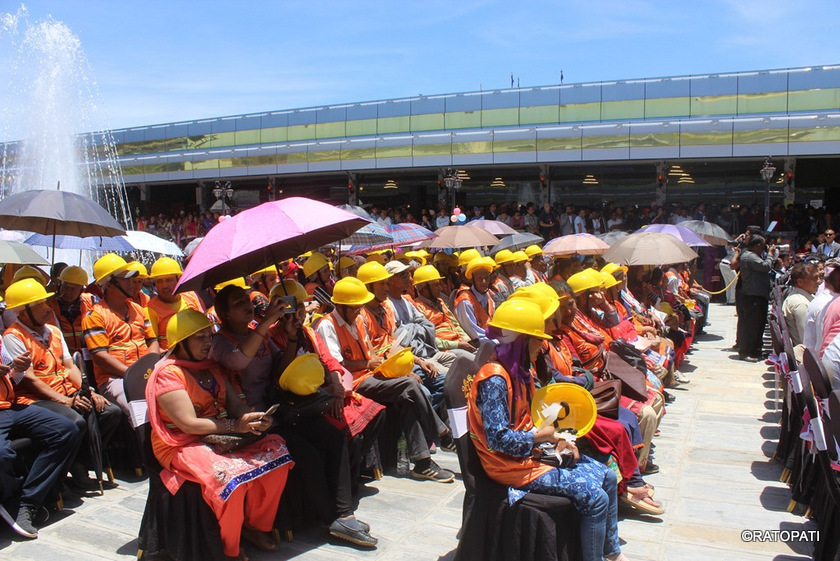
[545,434]
[254,423]
[565,444]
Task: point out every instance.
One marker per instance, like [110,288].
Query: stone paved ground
[716,480]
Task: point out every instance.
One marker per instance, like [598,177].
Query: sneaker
[650,469]
[432,472]
[353,531]
[448,443]
[23,523]
[681,378]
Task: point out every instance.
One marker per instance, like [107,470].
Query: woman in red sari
[188,398]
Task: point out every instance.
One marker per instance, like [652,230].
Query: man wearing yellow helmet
[70,306]
[117,331]
[138,283]
[537,272]
[166,272]
[448,332]
[473,305]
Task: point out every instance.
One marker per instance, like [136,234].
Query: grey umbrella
[709,231]
[57,213]
[20,253]
[517,241]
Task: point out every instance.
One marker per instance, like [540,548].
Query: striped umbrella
[367,237]
[407,233]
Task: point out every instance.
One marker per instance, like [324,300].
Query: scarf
[512,352]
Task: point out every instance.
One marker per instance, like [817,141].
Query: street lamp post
[222,193]
[767,173]
[452,183]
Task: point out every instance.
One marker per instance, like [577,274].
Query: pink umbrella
[680,232]
[265,234]
[495,227]
[580,244]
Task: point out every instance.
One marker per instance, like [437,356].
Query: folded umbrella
[517,241]
[265,234]
[678,231]
[649,248]
[709,231]
[575,244]
[456,237]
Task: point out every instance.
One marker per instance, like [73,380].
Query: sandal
[264,541]
[642,503]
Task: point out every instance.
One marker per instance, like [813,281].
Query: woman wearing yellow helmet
[507,440]
[189,397]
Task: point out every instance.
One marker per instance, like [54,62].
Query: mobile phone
[289,305]
[271,410]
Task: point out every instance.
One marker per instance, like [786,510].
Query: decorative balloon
[462,218]
[456,211]
[453,218]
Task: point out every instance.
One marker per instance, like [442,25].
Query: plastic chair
[536,527]
[817,373]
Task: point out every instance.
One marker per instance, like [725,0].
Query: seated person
[345,334]
[473,305]
[804,282]
[188,397]
[505,439]
[449,336]
[53,381]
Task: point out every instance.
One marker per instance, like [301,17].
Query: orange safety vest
[591,355]
[502,285]
[122,338]
[47,362]
[142,299]
[482,316]
[352,349]
[560,356]
[502,468]
[441,317]
[7,392]
[160,312]
[72,332]
[381,336]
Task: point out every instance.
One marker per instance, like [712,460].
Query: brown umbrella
[456,237]
[580,244]
[649,248]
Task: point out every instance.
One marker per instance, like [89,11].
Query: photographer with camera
[754,265]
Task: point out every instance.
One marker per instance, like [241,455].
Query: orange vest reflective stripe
[381,336]
[590,354]
[352,349]
[441,318]
[163,311]
[502,468]
[47,362]
[482,316]
[7,392]
[123,338]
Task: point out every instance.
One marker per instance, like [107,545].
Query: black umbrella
[94,436]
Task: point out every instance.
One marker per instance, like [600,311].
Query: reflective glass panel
[389,125]
[430,122]
[500,117]
[462,119]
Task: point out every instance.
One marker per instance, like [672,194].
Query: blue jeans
[592,488]
[58,438]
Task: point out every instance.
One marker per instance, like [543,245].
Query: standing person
[547,221]
[567,221]
[755,294]
[531,220]
[117,331]
[830,248]
[166,272]
[506,439]
[728,274]
[580,222]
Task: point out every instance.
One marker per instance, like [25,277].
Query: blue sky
[159,61]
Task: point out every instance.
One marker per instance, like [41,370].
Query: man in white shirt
[805,279]
[580,222]
[384,220]
[442,219]
[815,314]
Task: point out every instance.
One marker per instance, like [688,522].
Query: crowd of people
[302,360]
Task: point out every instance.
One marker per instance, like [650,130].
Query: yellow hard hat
[665,308]
[441,256]
[289,287]
[577,407]
[264,271]
[547,304]
[184,324]
[503,256]
[426,273]
[375,258]
[30,272]
[467,255]
[611,268]
[345,263]
[107,265]
[519,257]
[480,263]
[609,280]
[74,275]
[303,376]
[238,281]
[372,272]
[142,272]
[315,263]
[350,291]
[397,365]
[545,289]
[532,250]
[585,280]
[26,291]
[522,316]
[164,267]
[417,256]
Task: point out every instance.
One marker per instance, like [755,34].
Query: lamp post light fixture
[767,173]
[452,182]
[221,193]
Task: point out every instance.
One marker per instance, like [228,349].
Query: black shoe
[80,478]
[448,443]
[749,359]
[23,524]
[353,531]
[669,397]
[432,472]
[650,468]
